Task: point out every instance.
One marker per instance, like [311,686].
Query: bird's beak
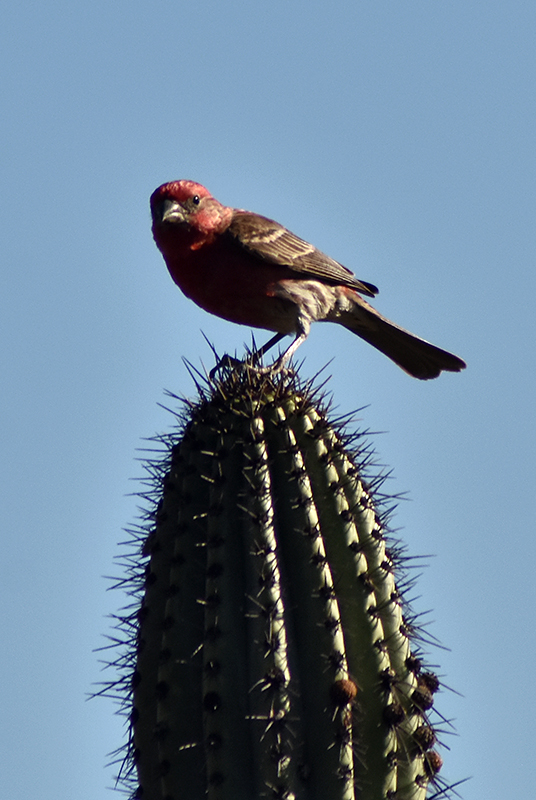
[168,211]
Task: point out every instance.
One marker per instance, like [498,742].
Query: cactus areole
[272,654]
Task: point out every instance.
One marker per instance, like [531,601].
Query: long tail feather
[416,356]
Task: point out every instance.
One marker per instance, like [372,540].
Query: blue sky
[399,137]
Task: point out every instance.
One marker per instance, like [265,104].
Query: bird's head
[181,206]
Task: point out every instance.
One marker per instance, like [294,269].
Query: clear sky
[399,137]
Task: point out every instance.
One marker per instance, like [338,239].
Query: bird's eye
[196,199]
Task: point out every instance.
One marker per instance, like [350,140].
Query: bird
[251,270]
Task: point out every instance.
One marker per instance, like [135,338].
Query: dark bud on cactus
[432,763]
[270,654]
[343,692]
[424,737]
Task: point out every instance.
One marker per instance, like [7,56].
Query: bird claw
[229,362]
[278,366]
[225,362]
[253,358]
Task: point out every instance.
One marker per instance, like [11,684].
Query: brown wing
[272,242]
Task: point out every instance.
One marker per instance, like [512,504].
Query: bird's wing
[272,242]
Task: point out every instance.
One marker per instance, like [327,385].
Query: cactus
[270,652]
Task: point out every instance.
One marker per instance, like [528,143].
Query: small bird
[253,271]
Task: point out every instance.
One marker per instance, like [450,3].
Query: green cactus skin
[273,655]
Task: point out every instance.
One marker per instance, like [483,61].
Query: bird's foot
[250,363]
[225,362]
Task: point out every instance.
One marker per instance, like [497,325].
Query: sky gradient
[397,137]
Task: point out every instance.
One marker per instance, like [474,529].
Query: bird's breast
[235,286]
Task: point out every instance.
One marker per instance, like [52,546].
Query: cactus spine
[273,652]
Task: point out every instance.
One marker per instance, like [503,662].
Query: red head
[186,208]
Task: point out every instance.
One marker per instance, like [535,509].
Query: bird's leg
[289,352]
[258,354]
[229,361]
[225,361]
[284,357]
[254,358]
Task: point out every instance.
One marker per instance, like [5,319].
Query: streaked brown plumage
[251,270]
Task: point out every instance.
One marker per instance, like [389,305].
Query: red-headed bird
[251,270]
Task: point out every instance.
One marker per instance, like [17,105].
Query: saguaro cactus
[272,653]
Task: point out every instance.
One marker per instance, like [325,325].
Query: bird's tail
[416,356]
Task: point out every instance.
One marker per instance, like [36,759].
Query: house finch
[253,271]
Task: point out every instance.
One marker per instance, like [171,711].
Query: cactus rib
[273,654]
